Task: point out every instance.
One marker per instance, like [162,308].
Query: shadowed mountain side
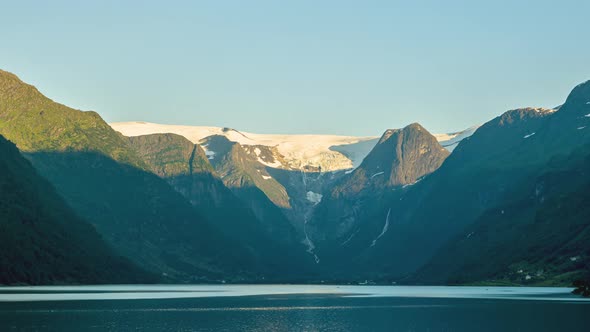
[503,157]
[253,222]
[142,217]
[539,236]
[102,178]
[43,241]
[252,183]
[305,190]
[351,216]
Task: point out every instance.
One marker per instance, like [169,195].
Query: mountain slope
[250,180]
[42,241]
[547,203]
[503,156]
[540,235]
[241,171]
[186,167]
[399,158]
[36,123]
[104,181]
[343,223]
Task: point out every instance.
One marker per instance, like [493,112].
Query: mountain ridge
[322,152]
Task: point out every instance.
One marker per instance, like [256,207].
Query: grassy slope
[101,177]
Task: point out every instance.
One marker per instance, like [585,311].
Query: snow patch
[413,183]
[374,175]
[257,151]
[385,228]
[350,237]
[315,198]
[450,141]
[266,177]
[210,154]
[274,164]
[529,135]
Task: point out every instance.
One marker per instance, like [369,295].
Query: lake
[291,308]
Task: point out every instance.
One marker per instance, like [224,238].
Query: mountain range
[505,202]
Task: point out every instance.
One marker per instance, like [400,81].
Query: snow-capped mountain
[296,152]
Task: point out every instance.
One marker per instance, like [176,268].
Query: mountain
[102,178]
[310,153]
[388,232]
[252,183]
[194,204]
[400,158]
[264,231]
[501,158]
[43,241]
[537,232]
[241,171]
[540,236]
[298,152]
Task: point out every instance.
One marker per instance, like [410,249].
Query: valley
[194,204]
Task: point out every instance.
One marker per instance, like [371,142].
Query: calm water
[291,308]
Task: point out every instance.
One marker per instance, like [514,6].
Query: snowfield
[450,141]
[330,152]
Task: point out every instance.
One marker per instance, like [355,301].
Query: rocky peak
[400,157]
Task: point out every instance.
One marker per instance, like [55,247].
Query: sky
[331,67]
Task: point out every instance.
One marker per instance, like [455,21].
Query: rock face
[400,158]
[43,241]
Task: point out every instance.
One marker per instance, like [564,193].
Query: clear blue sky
[338,67]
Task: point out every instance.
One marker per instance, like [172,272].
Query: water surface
[291,308]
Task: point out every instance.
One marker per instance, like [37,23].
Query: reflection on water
[291,308]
